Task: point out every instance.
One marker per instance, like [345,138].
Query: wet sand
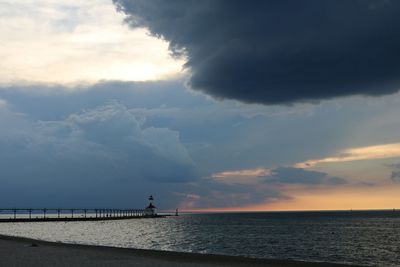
[18,252]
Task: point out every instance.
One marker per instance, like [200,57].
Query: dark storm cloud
[114,143]
[89,146]
[290,175]
[279,52]
[211,194]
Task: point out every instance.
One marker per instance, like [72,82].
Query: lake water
[363,238]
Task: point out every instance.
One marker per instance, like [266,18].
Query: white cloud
[359,153]
[244,176]
[3,104]
[243,173]
[77,41]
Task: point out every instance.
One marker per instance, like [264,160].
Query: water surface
[363,238]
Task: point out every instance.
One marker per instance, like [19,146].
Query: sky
[210,105]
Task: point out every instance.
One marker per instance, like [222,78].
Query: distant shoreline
[285,211]
[21,251]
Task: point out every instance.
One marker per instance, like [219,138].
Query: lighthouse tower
[151,210]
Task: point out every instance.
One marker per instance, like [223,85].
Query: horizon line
[272,211]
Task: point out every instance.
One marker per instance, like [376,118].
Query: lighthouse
[151,210]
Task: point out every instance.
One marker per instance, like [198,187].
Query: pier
[53,215]
[41,215]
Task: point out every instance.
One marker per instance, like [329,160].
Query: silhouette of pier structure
[29,215]
[42,215]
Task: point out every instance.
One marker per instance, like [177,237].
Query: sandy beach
[16,252]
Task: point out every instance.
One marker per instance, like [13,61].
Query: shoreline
[21,251]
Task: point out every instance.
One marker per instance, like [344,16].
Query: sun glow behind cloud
[73,42]
[375,192]
[384,196]
[243,173]
[301,198]
[245,176]
[360,153]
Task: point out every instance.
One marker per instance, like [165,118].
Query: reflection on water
[365,238]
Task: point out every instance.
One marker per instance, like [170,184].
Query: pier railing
[7,215]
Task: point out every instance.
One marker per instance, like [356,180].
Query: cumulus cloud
[104,151]
[275,52]
[113,126]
